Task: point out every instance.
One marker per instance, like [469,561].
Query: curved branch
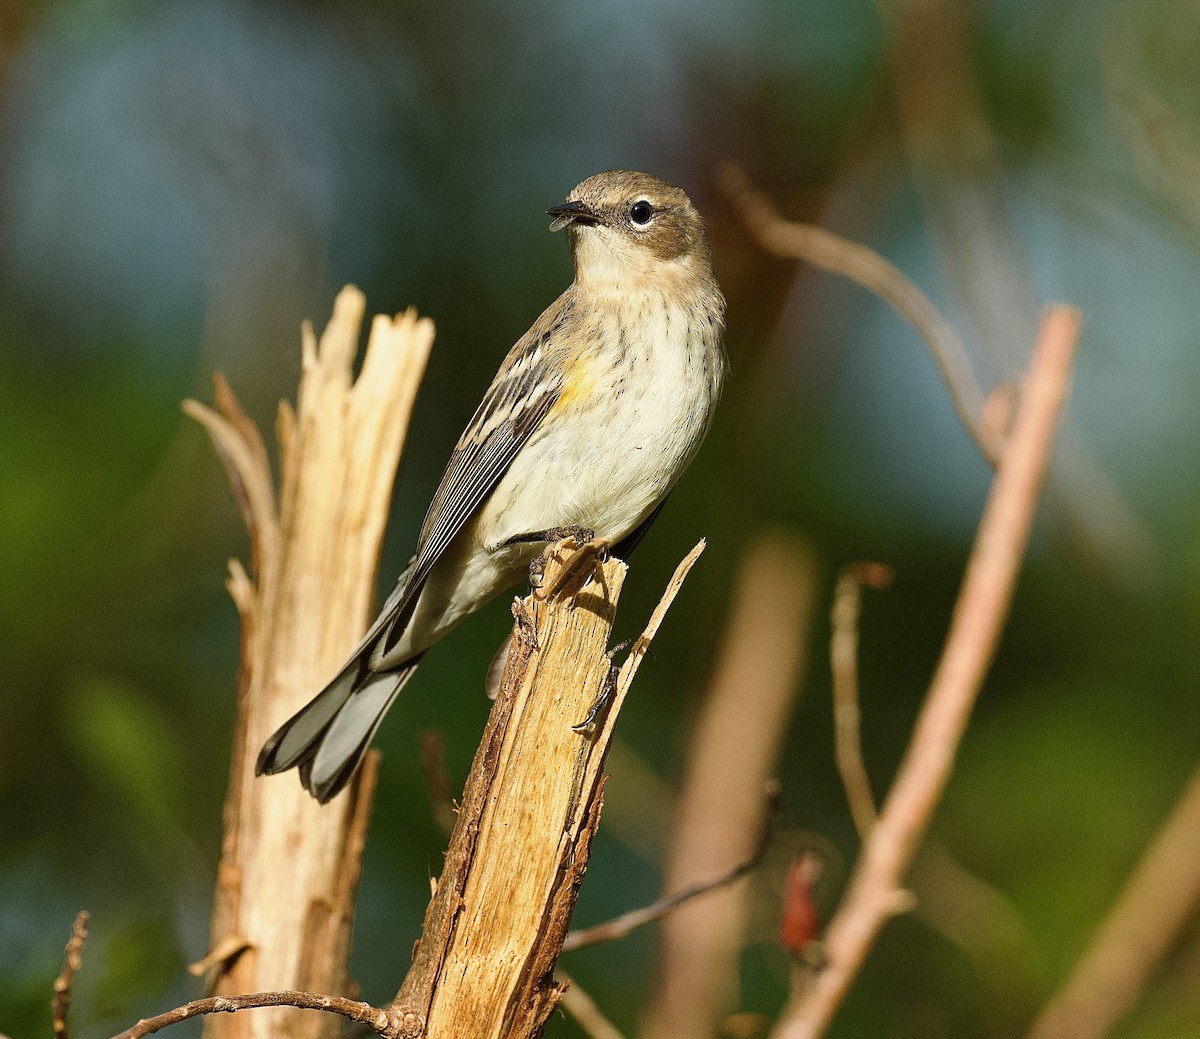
[867,268]
[387,1024]
[843,661]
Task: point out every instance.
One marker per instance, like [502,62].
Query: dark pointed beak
[570,212]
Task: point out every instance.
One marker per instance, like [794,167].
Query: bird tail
[328,737]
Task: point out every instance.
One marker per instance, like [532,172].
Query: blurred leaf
[1058,770]
[127,745]
[143,957]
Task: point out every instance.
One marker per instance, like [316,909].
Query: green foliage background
[181,185]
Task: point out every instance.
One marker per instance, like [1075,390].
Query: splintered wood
[484,966]
[289,867]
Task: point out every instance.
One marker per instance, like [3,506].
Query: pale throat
[607,264]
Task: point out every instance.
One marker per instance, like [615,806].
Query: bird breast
[640,378]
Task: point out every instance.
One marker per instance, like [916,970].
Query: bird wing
[524,390]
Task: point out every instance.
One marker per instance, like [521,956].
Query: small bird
[591,419]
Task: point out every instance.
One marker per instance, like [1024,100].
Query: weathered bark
[484,966]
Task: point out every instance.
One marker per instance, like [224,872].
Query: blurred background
[182,184]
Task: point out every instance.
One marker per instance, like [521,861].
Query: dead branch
[874,889]
[72,961]
[483,968]
[382,1022]
[620,926]
[733,753]
[1108,529]
[289,867]
[864,266]
[1159,900]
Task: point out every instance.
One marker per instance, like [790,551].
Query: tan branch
[733,754]
[874,889]
[289,867]
[72,961]
[1159,900]
[483,968]
[843,660]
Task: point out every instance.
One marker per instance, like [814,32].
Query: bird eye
[641,212]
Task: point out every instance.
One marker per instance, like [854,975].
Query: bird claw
[537,572]
[601,702]
[580,535]
[617,649]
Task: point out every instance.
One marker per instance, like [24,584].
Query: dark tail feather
[328,737]
[298,737]
[344,742]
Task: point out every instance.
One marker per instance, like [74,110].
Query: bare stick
[71,964]
[843,660]
[733,754]
[866,267]
[382,1022]
[1159,900]
[620,926]
[874,891]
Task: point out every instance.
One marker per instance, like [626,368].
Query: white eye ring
[641,212]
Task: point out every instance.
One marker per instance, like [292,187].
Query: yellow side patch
[578,384]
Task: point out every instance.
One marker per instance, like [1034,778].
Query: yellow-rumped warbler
[591,419]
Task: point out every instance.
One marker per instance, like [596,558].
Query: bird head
[625,226]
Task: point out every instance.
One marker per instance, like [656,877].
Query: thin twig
[584,1010]
[863,265]
[1159,900]
[380,1021]
[620,926]
[843,661]
[71,964]
[874,888]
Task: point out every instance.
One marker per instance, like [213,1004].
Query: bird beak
[569,213]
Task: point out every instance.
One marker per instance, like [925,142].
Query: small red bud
[801,923]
